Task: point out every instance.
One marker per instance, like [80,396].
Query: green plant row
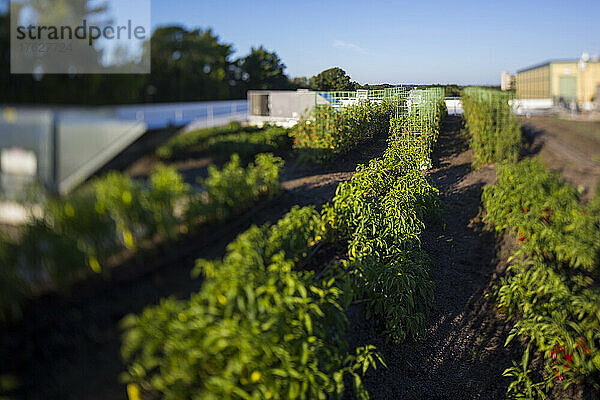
[417,120]
[260,327]
[266,324]
[329,132]
[200,139]
[381,213]
[413,115]
[247,144]
[88,227]
[551,291]
[495,132]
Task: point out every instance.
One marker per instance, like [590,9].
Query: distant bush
[248,144]
[220,143]
[191,141]
[495,131]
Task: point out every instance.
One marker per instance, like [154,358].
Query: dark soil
[462,354]
[569,147]
[67,345]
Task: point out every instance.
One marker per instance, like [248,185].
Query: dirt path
[67,345]
[569,147]
[462,355]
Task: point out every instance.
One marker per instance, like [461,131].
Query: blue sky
[465,42]
[468,42]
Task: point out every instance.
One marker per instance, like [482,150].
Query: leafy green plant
[122,199]
[234,187]
[495,131]
[381,214]
[522,386]
[167,191]
[197,139]
[399,291]
[84,229]
[329,132]
[248,144]
[551,290]
[545,213]
[257,329]
[415,130]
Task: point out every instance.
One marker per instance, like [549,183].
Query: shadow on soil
[462,355]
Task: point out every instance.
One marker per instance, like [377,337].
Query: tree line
[187,65]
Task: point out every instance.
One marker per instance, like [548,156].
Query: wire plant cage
[415,113]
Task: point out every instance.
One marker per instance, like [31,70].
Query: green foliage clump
[381,213]
[247,144]
[332,79]
[233,188]
[84,229]
[415,130]
[551,290]
[257,329]
[546,213]
[222,142]
[195,140]
[330,132]
[495,131]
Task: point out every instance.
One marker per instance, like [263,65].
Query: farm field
[74,336]
[392,260]
[320,200]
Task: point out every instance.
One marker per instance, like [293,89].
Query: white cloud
[349,46]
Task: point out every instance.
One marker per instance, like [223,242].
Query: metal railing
[199,114]
[67,145]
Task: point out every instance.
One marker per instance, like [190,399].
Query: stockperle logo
[80,37]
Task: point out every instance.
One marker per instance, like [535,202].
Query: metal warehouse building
[560,80]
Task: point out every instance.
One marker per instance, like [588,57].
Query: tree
[261,69]
[63,89]
[301,82]
[332,79]
[189,65]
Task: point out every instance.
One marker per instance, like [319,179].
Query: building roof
[558,61]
